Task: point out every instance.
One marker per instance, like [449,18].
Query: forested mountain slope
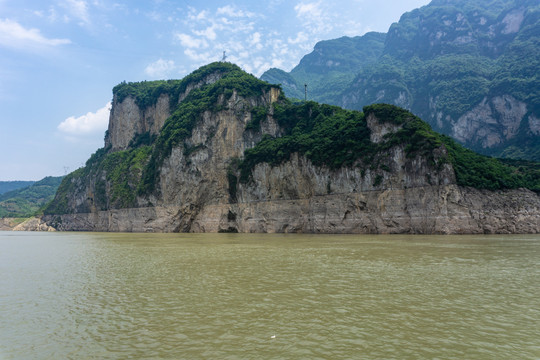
[469,68]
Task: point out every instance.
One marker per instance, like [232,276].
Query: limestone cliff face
[199,178]
[196,192]
[492,122]
[127,119]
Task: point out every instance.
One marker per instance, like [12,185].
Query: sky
[60,59]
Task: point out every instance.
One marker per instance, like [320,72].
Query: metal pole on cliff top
[305,92]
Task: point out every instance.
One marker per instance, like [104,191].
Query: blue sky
[60,59]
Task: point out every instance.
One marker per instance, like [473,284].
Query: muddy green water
[230,296]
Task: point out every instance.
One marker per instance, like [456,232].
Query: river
[268,296]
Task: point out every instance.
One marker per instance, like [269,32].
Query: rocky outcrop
[403,194]
[7,224]
[34,224]
[492,122]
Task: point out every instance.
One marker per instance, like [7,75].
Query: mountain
[26,201]
[330,68]
[6,186]
[222,151]
[469,68]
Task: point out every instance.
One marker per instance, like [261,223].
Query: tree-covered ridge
[447,57]
[334,137]
[113,177]
[146,93]
[27,201]
[327,135]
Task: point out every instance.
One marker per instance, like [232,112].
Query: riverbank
[24,224]
[7,224]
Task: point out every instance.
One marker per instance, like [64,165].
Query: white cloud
[301,37]
[14,35]
[208,33]
[91,123]
[255,38]
[308,10]
[78,9]
[160,68]
[194,15]
[191,42]
[314,17]
[231,11]
[201,57]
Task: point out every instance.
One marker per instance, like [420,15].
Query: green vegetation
[258,114]
[484,172]
[146,93]
[113,177]
[27,201]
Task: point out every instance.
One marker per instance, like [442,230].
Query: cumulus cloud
[208,33]
[195,15]
[256,41]
[14,35]
[231,11]
[308,10]
[189,41]
[314,17]
[91,123]
[160,68]
[301,37]
[203,57]
[78,9]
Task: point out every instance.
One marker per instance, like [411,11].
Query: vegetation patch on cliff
[111,178]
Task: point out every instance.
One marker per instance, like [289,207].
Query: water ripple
[139,296]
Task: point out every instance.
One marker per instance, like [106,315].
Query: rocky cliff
[234,155]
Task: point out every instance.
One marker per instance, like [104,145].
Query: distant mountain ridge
[469,68]
[26,201]
[6,186]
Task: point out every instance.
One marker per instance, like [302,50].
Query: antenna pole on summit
[224,57]
[305,92]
